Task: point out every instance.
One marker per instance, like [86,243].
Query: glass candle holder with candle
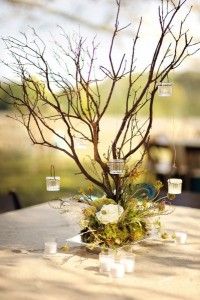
[117,269]
[128,260]
[53,183]
[116,166]
[105,262]
[181,237]
[174,186]
[165,89]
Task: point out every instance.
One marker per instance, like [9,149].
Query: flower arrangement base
[111,225]
[108,224]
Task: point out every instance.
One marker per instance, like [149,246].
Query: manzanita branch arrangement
[40,106]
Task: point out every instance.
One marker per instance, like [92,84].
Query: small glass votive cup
[116,166]
[53,183]
[174,186]
[106,261]
[165,89]
[181,237]
[117,269]
[128,260]
[50,247]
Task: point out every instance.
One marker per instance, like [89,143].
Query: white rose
[109,213]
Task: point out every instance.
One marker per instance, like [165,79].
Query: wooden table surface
[163,270]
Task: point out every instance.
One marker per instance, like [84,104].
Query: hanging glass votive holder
[53,182]
[174,186]
[116,166]
[165,89]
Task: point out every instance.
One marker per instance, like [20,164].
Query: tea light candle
[174,186]
[181,237]
[50,247]
[165,89]
[53,183]
[117,270]
[105,262]
[129,263]
[116,166]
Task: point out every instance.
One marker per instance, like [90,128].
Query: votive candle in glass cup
[165,89]
[105,262]
[117,269]
[129,262]
[50,247]
[181,237]
[116,166]
[53,183]
[174,186]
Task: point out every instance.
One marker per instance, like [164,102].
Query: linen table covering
[164,270]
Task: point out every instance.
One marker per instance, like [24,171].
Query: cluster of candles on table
[113,264]
[116,265]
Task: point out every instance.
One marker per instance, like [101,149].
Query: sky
[14,18]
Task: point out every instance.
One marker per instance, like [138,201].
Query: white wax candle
[129,264]
[174,186]
[181,237]
[117,270]
[105,263]
[50,247]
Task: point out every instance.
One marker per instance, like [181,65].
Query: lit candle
[50,247]
[117,269]
[181,237]
[129,263]
[174,186]
[105,262]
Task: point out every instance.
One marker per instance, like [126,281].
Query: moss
[113,234]
[89,211]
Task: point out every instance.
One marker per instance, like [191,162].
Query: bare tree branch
[42,110]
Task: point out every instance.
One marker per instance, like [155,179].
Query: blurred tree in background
[185,100]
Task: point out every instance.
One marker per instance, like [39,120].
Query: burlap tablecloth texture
[163,270]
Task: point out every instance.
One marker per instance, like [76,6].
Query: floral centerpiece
[136,216]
